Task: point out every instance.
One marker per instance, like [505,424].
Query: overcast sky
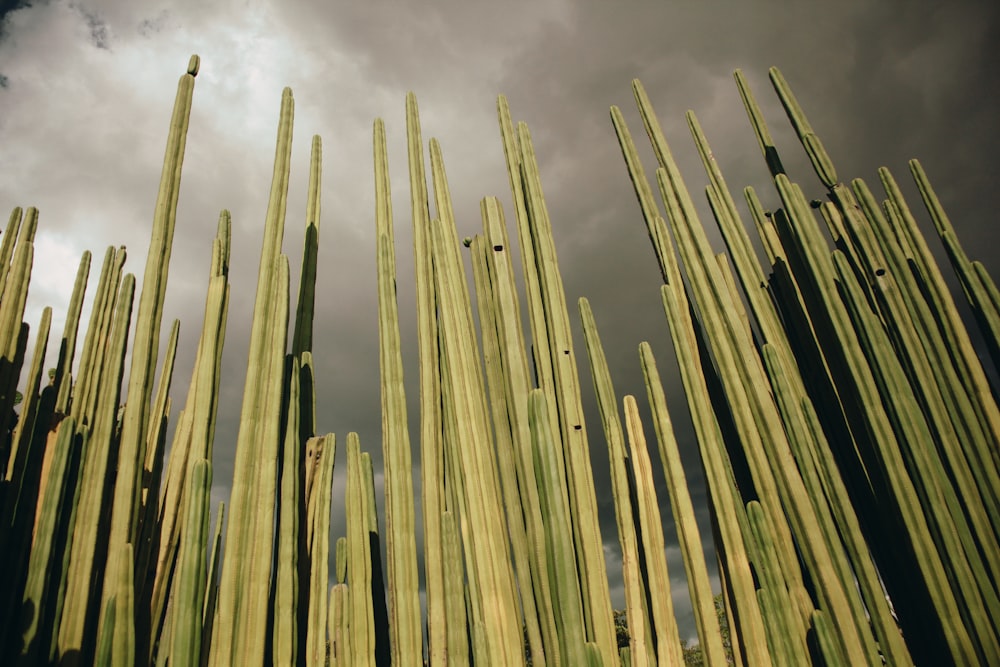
[86,90]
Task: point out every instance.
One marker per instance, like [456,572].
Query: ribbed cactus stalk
[243,608]
[431,427]
[734,558]
[339,614]
[640,643]
[814,147]
[401,543]
[663,620]
[318,512]
[67,350]
[13,332]
[132,454]
[688,533]
[566,392]
[96,340]
[515,385]
[359,573]
[189,596]
[42,582]
[10,234]
[31,458]
[485,545]
[78,621]
[194,433]
[957,343]
[457,636]
[285,639]
[558,538]
[211,586]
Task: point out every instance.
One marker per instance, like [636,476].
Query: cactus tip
[467,241]
[193,64]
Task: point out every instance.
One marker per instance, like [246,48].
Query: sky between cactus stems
[86,90]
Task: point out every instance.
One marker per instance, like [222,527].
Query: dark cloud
[8,6]
[100,34]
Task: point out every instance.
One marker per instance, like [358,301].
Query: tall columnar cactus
[560,556]
[512,356]
[486,548]
[285,640]
[513,504]
[401,542]
[565,390]
[957,343]
[431,427]
[189,597]
[663,620]
[635,601]
[318,515]
[359,560]
[132,454]
[42,581]
[78,620]
[243,607]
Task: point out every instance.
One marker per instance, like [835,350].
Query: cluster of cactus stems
[846,427]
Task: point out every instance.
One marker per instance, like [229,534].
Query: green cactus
[132,448]
[664,623]
[359,574]
[243,600]
[401,543]
[189,595]
[319,553]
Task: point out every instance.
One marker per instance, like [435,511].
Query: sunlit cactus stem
[401,544]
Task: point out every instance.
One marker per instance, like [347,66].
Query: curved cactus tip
[193,64]
[467,241]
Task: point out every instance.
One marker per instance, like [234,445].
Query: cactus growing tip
[193,64]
